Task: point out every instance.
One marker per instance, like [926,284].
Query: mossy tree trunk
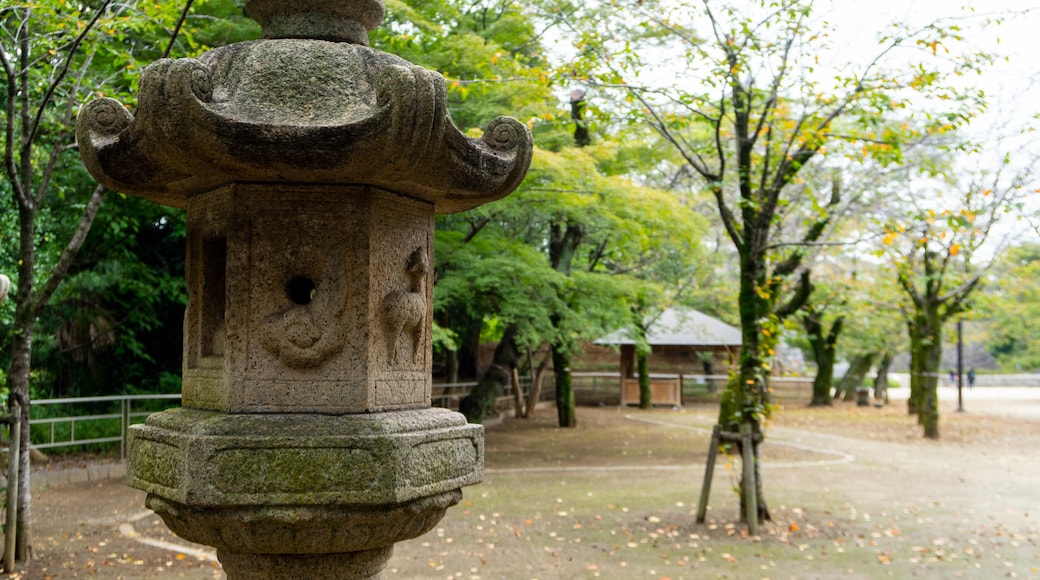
[646,396]
[746,400]
[481,400]
[537,377]
[932,306]
[926,356]
[853,377]
[824,346]
[565,411]
[881,378]
[564,240]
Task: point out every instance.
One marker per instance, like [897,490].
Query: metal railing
[444,395]
[126,416]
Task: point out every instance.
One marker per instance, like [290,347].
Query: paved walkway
[1020,402]
[48,478]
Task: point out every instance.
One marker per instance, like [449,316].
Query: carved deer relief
[404,312]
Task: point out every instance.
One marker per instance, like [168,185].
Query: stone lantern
[311,168]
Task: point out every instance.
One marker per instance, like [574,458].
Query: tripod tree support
[747,441]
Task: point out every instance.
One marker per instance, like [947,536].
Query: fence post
[124,424]
[13,459]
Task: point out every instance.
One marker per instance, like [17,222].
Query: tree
[824,343]
[1013,307]
[581,218]
[114,325]
[52,56]
[493,263]
[768,111]
[939,254]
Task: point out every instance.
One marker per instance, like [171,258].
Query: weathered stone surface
[207,459]
[298,111]
[308,299]
[319,19]
[365,564]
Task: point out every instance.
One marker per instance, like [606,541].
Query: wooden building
[682,342]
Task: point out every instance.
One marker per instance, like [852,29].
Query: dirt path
[855,492]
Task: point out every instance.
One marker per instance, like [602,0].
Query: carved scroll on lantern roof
[298,111]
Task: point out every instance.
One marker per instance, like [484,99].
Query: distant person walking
[971,378]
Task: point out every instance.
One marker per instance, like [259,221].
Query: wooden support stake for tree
[13,460]
[750,489]
[709,472]
[518,397]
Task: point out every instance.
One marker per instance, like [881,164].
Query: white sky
[1012,85]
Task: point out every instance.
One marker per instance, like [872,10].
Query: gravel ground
[965,506]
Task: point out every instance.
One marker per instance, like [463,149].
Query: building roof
[682,327]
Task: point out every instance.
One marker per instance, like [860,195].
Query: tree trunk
[565,412]
[913,401]
[881,379]
[18,376]
[537,377]
[466,356]
[18,382]
[518,396]
[453,366]
[853,378]
[707,362]
[821,387]
[646,396]
[925,358]
[749,388]
[563,245]
[824,348]
[481,400]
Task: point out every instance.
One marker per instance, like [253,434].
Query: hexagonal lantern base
[303,496]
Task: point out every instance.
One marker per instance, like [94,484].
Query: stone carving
[311,111]
[5,286]
[308,328]
[404,311]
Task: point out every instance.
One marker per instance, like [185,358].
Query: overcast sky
[1012,85]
